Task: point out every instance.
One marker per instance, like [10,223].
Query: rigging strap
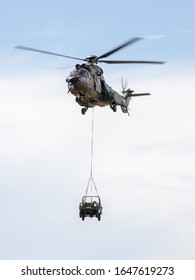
[91,182]
[92,131]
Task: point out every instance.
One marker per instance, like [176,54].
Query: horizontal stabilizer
[138,94]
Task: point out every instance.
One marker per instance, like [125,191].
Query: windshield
[74,72]
[83,73]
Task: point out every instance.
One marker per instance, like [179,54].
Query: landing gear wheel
[114,108]
[83,111]
[99,217]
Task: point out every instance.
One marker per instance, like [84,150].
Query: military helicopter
[86,82]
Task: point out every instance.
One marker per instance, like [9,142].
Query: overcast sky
[143,164]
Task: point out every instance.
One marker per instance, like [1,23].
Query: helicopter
[86,82]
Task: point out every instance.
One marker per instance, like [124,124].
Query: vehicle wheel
[99,217]
[83,217]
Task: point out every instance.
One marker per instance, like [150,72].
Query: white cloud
[157,36]
[187,31]
[143,168]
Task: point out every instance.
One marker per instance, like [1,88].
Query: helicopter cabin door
[97,84]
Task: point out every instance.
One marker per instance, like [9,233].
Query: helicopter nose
[73,81]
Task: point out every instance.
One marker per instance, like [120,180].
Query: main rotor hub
[92,58]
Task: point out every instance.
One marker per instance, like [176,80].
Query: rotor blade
[131,62]
[40,51]
[124,84]
[64,67]
[131,41]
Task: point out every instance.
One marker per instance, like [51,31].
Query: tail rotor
[125,92]
[128,94]
[123,85]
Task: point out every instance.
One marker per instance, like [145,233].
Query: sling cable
[91,204]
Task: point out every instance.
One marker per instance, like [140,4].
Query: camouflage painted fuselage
[90,88]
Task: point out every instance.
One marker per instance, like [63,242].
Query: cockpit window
[74,72]
[83,73]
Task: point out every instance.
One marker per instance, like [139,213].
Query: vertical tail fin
[127,97]
[125,108]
